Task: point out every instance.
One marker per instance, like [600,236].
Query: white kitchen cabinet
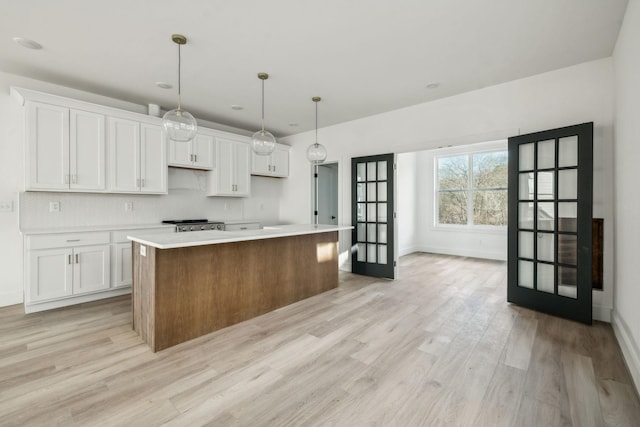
[194,154]
[65,149]
[61,266]
[235,226]
[137,157]
[123,268]
[231,175]
[275,164]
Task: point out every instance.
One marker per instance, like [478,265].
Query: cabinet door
[153,159]
[50,274]
[91,269]
[87,151]
[124,155]
[123,267]
[280,162]
[47,147]
[202,147]
[224,175]
[242,163]
[179,153]
[260,165]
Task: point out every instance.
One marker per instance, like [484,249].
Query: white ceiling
[362,57]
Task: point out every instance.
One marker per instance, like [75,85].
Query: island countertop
[212,237]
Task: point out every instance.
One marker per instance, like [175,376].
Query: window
[471,189]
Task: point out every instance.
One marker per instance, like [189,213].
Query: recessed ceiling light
[293,124]
[164,85]
[237,107]
[28,43]
[433,85]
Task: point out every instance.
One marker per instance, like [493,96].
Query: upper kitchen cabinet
[194,154]
[231,173]
[137,157]
[65,149]
[275,164]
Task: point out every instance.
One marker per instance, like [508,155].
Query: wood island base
[183,293]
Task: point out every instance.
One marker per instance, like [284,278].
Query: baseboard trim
[408,250]
[498,256]
[11,298]
[601,313]
[36,307]
[629,347]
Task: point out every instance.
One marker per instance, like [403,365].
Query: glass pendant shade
[316,153]
[263,143]
[179,125]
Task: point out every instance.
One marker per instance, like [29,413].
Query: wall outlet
[54,206]
[143,250]
[6,206]
[128,206]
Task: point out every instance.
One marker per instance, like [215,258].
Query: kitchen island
[186,285]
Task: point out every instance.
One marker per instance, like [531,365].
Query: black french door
[372,216]
[550,214]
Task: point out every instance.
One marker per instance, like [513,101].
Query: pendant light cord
[316,123]
[263,106]
[179,79]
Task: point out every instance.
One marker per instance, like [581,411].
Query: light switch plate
[6,206]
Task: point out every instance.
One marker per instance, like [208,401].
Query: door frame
[314,195]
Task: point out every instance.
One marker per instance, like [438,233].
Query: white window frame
[469,151]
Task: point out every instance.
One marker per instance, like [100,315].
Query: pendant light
[263,142]
[179,124]
[316,153]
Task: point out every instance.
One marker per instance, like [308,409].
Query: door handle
[77,259]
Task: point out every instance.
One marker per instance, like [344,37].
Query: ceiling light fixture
[164,85]
[28,43]
[179,124]
[263,142]
[316,153]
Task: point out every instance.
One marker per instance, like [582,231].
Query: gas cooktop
[195,224]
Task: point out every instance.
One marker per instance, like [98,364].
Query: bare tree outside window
[472,189]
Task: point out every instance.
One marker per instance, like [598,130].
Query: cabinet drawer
[67,240]
[245,226]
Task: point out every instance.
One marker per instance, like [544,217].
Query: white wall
[186,198]
[626,317]
[408,196]
[577,94]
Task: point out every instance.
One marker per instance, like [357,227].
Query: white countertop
[88,228]
[212,237]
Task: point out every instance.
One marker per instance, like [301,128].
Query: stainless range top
[183,225]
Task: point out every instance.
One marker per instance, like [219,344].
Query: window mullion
[470,219]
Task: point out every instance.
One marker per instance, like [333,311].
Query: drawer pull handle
[73,240]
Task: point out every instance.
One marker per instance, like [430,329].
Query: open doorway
[325,197]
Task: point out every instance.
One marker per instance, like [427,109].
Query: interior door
[372,194]
[327,193]
[550,213]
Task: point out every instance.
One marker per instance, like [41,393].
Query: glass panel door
[550,212]
[372,216]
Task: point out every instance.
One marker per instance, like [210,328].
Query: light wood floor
[438,347]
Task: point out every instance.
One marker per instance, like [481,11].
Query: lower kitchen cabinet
[69,268]
[66,271]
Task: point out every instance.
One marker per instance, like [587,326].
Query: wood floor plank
[582,390]
[437,347]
